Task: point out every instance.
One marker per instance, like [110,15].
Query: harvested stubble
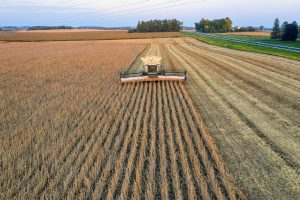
[250,104]
[69,129]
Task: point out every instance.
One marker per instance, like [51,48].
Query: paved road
[250,42]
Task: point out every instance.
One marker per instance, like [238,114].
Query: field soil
[69,128]
[251,106]
[78,35]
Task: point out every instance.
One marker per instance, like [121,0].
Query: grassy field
[265,39]
[249,47]
[70,129]
[78,35]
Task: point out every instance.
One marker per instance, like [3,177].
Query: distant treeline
[214,26]
[172,25]
[48,27]
[104,28]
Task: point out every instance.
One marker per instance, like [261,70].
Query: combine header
[152,70]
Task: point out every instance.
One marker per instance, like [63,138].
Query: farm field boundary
[39,36]
[231,43]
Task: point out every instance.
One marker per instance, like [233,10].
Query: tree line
[167,25]
[48,27]
[214,26]
[286,32]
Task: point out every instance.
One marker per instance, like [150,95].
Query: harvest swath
[69,129]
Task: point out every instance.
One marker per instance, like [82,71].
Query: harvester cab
[152,70]
[151,65]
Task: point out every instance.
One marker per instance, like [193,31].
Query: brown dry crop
[250,104]
[69,129]
[77,35]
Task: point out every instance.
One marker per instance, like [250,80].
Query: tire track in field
[260,74]
[289,160]
[282,66]
[249,87]
[205,91]
[285,156]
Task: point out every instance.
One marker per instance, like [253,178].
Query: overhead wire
[154,9]
[103,10]
[122,11]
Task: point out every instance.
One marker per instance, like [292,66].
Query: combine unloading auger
[152,70]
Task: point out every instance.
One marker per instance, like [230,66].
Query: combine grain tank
[152,70]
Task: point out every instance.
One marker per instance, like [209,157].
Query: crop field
[69,129]
[78,35]
[251,106]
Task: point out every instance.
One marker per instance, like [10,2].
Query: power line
[105,10]
[147,10]
[155,9]
[112,13]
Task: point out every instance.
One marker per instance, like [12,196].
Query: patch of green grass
[265,39]
[244,47]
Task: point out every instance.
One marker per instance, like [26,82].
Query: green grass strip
[244,47]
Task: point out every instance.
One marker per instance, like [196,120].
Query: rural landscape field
[70,129]
[150,99]
[78,35]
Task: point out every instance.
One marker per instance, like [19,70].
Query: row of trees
[172,25]
[287,31]
[215,26]
[48,27]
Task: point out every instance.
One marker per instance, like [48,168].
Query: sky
[110,13]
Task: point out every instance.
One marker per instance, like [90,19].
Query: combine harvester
[152,70]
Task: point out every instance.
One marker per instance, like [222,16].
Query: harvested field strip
[273,64]
[253,88]
[274,146]
[250,104]
[141,143]
[245,91]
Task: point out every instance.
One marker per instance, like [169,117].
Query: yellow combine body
[152,70]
